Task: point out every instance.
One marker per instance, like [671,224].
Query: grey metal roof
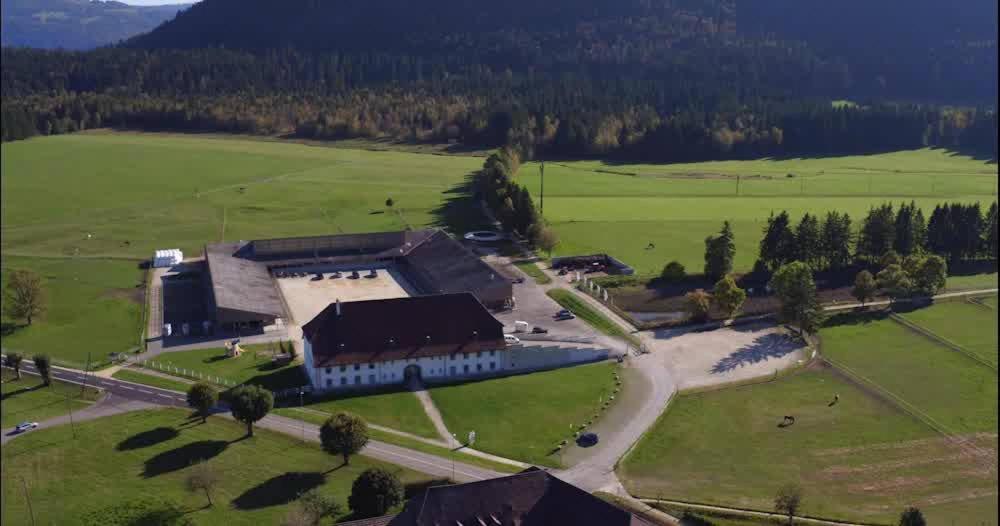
[445,266]
[241,284]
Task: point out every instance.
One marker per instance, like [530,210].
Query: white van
[511,339]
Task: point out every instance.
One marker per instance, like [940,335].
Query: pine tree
[808,242]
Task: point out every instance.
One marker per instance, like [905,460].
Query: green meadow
[84,210]
[620,209]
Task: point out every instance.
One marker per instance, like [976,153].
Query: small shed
[167,258]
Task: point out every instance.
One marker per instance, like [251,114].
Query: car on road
[511,339]
[517,280]
[539,330]
[564,312]
[25,426]
[587,440]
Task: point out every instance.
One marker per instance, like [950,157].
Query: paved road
[127,396]
[109,404]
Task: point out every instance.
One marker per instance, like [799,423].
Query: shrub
[673,272]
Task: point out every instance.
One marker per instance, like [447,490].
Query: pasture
[136,455]
[967,325]
[598,206]
[400,410]
[955,391]
[28,400]
[859,459]
[84,209]
[523,417]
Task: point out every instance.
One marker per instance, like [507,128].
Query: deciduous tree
[13,360]
[788,501]
[895,281]
[793,284]
[24,295]
[43,364]
[546,239]
[698,303]
[930,275]
[250,403]
[912,517]
[673,272]
[203,477]
[202,398]
[375,492]
[865,287]
[728,297]
[343,434]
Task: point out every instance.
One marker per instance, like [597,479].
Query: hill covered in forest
[77,24]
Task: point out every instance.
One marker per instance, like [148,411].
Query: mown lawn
[859,459]
[972,282]
[615,208]
[953,389]
[524,417]
[124,195]
[398,410]
[94,307]
[144,454]
[254,366]
[28,400]
[531,269]
[137,376]
[569,301]
[970,326]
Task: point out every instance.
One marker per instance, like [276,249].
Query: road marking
[125,387]
[164,396]
[144,391]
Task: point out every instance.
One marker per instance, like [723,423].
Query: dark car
[517,280]
[587,440]
[561,317]
[563,312]
[539,330]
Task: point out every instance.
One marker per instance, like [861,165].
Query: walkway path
[420,391]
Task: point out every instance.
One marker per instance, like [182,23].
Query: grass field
[27,400]
[990,302]
[569,300]
[523,417]
[399,410]
[253,366]
[859,459]
[94,308]
[407,442]
[954,390]
[970,326]
[121,195]
[138,377]
[148,453]
[531,269]
[599,206]
[972,282]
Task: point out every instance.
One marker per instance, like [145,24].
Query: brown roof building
[402,329]
[530,498]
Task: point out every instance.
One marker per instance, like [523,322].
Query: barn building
[391,341]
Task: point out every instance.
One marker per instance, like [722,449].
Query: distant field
[94,308]
[973,282]
[620,208]
[523,417]
[149,453]
[970,326]
[399,410]
[951,388]
[859,459]
[26,399]
[124,195]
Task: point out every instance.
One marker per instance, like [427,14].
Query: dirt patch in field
[895,485]
[943,442]
[977,493]
[134,294]
[836,472]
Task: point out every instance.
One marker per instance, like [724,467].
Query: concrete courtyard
[306,296]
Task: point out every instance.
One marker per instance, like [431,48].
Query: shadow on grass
[22,390]
[459,210]
[147,438]
[415,489]
[182,457]
[279,490]
[282,379]
[9,328]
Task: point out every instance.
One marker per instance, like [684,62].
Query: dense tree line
[957,231]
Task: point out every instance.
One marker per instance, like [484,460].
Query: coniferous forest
[667,80]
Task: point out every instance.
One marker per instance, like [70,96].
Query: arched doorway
[412,374]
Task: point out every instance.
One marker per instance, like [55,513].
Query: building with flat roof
[389,341]
[530,498]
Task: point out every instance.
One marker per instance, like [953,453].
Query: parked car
[511,339]
[517,280]
[587,440]
[25,426]
[567,316]
[539,330]
[564,312]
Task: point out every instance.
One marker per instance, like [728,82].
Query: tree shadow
[415,489]
[147,438]
[8,328]
[22,390]
[282,379]
[459,210]
[182,457]
[279,490]
[763,348]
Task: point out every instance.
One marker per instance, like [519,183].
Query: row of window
[372,378]
[357,366]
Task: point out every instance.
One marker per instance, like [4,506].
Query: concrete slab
[307,296]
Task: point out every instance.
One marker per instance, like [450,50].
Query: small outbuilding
[167,258]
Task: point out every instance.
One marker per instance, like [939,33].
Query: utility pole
[27,499]
[541,169]
[302,405]
[737,184]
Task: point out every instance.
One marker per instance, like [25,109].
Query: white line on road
[126,387]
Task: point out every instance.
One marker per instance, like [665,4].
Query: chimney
[338,307]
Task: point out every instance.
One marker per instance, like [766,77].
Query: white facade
[167,258]
[459,366]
